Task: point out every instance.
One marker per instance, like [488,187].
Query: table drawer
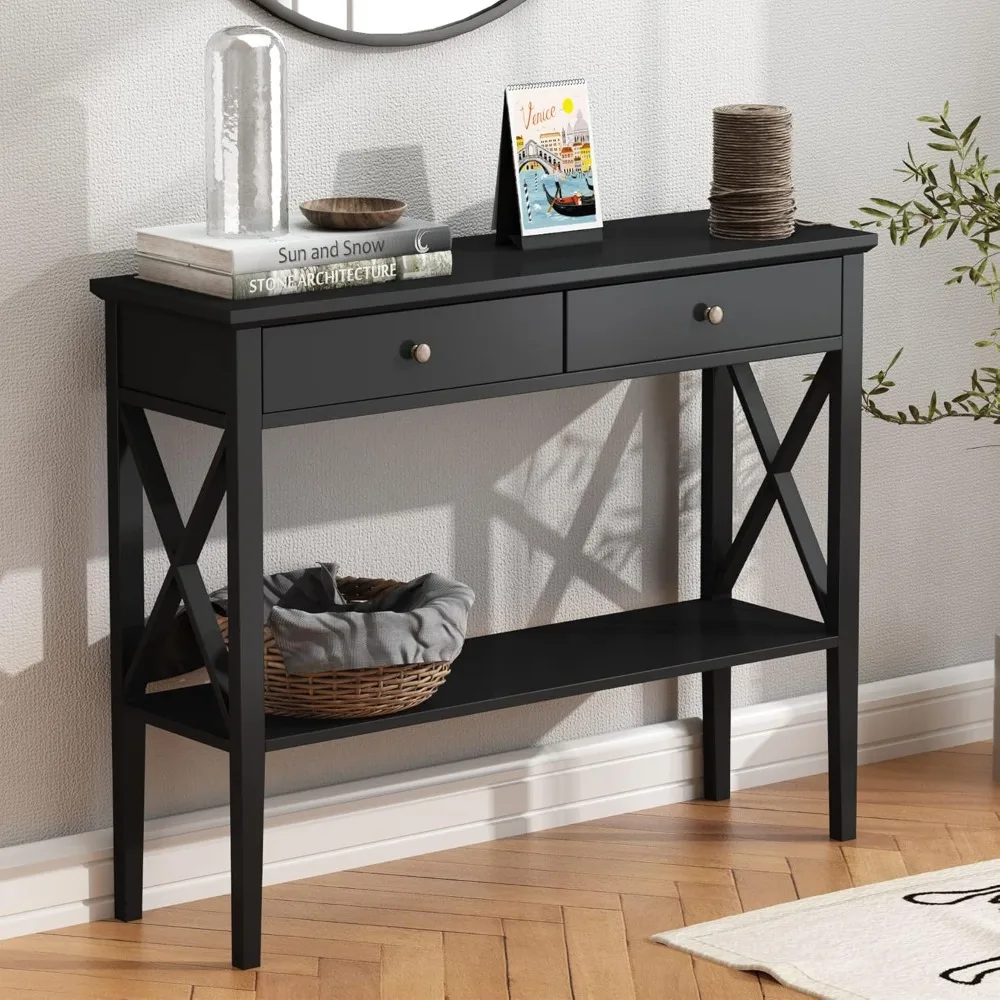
[649,320]
[367,357]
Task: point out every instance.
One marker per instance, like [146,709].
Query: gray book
[303,246]
[292,280]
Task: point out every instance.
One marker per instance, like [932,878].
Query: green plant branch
[963,204]
[981,401]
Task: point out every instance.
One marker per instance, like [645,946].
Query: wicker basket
[345,694]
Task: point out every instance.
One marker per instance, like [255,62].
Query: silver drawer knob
[714,315]
[421,353]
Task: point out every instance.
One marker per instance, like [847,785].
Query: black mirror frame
[412,38]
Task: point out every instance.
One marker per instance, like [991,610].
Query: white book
[292,280]
[303,246]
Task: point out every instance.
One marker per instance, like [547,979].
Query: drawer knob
[421,353]
[714,315]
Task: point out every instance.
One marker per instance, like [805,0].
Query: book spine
[333,248]
[332,277]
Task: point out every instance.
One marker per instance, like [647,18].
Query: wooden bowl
[353,213]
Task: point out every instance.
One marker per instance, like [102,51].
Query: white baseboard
[57,883]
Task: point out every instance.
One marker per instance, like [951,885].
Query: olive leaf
[967,203]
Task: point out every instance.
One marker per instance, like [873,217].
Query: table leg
[716,699]
[128,761]
[127,617]
[244,506]
[716,538]
[843,555]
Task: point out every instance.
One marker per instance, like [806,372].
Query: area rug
[924,937]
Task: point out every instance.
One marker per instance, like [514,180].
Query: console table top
[632,249]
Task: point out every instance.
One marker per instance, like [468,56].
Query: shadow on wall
[406,167]
[546,526]
[531,499]
[52,680]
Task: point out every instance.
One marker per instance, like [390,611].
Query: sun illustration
[568,105]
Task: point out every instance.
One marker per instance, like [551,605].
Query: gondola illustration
[574,205]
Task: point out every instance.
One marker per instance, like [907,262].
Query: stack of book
[306,259]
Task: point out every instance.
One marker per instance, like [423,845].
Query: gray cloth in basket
[422,621]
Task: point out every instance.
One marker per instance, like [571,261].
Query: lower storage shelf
[539,664]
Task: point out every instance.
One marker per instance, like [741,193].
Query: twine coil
[752,194]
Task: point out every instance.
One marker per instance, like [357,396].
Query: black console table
[657,295]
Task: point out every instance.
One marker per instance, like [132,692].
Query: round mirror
[388,22]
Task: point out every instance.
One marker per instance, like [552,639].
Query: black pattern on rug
[974,973]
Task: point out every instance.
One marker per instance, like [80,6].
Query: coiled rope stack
[752,194]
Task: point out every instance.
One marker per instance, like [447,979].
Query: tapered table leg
[244,505]
[716,537]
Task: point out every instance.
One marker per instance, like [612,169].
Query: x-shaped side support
[779,486]
[183,544]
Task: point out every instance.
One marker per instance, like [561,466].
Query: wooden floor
[561,915]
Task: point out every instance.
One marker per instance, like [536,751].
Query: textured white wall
[552,505]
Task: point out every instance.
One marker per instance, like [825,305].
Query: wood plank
[772,839]
[928,853]
[975,844]
[703,903]
[212,993]
[14,994]
[291,927]
[816,821]
[878,807]
[598,954]
[335,913]
[929,762]
[442,885]
[654,964]
[139,963]
[279,953]
[759,889]
[10,994]
[933,780]
[681,853]
[610,883]
[493,855]
[422,902]
[414,973]
[275,986]
[90,987]
[343,980]
[867,866]
[475,967]
[126,943]
[537,963]
[814,878]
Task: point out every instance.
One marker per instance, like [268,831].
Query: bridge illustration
[534,152]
